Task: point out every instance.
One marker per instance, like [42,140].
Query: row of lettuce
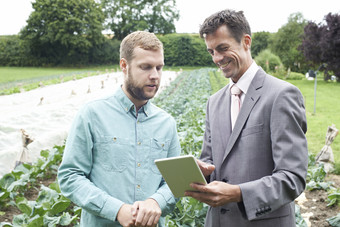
[185,99]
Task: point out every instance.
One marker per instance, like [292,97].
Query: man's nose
[217,57]
[155,74]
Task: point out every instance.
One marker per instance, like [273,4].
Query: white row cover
[45,114]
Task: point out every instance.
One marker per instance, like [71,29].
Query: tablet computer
[179,172]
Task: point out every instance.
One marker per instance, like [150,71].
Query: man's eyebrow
[222,45]
[218,46]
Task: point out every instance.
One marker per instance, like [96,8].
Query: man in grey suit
[256,166]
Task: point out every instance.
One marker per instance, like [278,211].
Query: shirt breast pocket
[158,149]
[110,153]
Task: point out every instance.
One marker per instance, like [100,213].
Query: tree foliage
[259,43]
[311,43]
[321,44]
[126,16]
[13,51]
[61,31]
[286,41]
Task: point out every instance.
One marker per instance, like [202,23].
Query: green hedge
[179,50]
[185,50]
[13,51]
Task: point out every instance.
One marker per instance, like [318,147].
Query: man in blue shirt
[108,165]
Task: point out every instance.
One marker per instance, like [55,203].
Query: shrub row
[16,52]
[179,50]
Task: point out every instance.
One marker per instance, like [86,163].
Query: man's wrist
[237,193]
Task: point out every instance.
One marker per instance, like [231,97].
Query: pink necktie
[235,104]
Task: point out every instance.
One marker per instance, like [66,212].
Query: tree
[321,44]
[286,41]
[126,16]
[259,43]
[63,31]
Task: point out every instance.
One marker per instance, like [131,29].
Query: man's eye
[145,67]
[211,52]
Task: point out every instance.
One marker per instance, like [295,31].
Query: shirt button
[139,143]
[138,186]
[138,164]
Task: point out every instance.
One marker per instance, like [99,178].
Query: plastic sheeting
[46,114]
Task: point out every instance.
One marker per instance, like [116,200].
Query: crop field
[30,196]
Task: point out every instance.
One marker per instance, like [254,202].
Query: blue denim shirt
[109,158]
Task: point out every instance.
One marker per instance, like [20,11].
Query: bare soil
[315,207]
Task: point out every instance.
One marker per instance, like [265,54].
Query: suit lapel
[253,94]
[224,118]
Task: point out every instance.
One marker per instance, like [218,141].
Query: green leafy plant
[333,197]
[299,221]
[315,178]
[188,212]
[334,221]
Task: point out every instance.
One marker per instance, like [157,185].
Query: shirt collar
[244,82]
[127,105]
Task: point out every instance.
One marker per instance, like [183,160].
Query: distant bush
[295,76]
[268,61]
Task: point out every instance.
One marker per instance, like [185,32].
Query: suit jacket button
[225,180]
[223,211]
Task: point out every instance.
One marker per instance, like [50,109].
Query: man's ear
[123,65]
[247,41]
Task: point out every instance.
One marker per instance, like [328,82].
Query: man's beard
[135,91]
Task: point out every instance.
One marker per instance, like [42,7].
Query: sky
[262,15]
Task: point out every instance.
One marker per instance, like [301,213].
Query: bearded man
[108,165]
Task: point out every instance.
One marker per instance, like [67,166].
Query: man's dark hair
[236,23]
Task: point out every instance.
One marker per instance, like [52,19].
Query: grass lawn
[13,79]
[9,74]
[327,113]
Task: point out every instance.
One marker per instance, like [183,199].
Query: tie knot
[234,90]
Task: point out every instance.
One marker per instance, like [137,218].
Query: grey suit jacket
[266,153]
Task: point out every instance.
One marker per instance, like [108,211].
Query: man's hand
[125,217]
[216,193]
[146,213]
[206,168]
